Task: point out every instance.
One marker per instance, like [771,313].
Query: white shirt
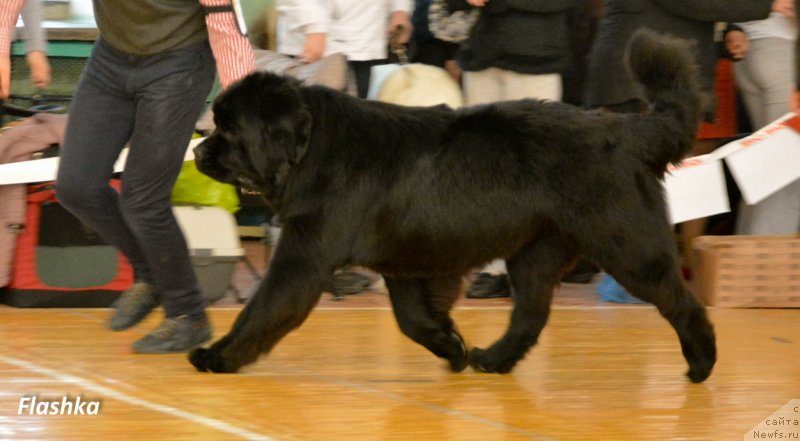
[356,28]
[296,19]
[776,25]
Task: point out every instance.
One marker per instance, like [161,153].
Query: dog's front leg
[284,299]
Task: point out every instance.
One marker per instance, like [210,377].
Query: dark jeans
[151,102]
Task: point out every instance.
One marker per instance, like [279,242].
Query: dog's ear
[302,132]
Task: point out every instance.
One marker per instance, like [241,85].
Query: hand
[737,44]
[785,7]
[314,47]
[478,3]
[794,101]
[40,69]
[452,67]
[400,23]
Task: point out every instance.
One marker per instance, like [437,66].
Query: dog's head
[262,131]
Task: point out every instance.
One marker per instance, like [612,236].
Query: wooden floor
[599,373]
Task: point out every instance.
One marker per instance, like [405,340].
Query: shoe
[133,306]
[489,286]
[583,272]
[611,291]
[179,334]
[347,283]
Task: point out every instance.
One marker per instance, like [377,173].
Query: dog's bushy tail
[666,67]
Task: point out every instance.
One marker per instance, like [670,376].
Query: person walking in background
[517,49]
[763,77]
[144,85]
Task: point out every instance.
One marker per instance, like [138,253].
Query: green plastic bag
[195,188]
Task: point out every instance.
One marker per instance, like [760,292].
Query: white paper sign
[765,161]
[696,189]
[40,170]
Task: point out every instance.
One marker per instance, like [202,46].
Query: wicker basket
[748,271]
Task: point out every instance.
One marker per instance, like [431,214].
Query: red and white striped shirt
[9,13]
[232,50]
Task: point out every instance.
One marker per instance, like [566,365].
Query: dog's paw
[481,361]
[205,360]
[698,374]
[461,361]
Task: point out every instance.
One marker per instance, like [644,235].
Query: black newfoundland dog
[424,195]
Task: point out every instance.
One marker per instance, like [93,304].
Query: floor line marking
[108,392]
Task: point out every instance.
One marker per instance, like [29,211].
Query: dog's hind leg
[534,273]
[284,299]
[652,274]
[422,308]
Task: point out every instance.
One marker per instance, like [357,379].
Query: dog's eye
[280,135]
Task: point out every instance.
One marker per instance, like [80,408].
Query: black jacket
[610,83]
[525,36]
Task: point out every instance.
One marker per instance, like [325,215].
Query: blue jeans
[151,102]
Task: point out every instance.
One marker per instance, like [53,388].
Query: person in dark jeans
[144,86]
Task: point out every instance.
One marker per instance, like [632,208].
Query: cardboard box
[748,271]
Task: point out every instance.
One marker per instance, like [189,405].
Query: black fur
[424,195]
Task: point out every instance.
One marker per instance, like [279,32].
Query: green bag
[195,188]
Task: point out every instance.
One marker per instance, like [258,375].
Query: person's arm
[35,43]
[232,50]
[311,18]
[736,44]
[400,19]
[9,12]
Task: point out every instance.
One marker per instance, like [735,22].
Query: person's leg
[517,86]
[98,128]
[165,94]
[170,91]
[764,77]
[362,72]
[482,87]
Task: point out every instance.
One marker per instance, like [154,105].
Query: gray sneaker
[179,334]
[133,306]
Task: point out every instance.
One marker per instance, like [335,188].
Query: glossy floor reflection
[599,373]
